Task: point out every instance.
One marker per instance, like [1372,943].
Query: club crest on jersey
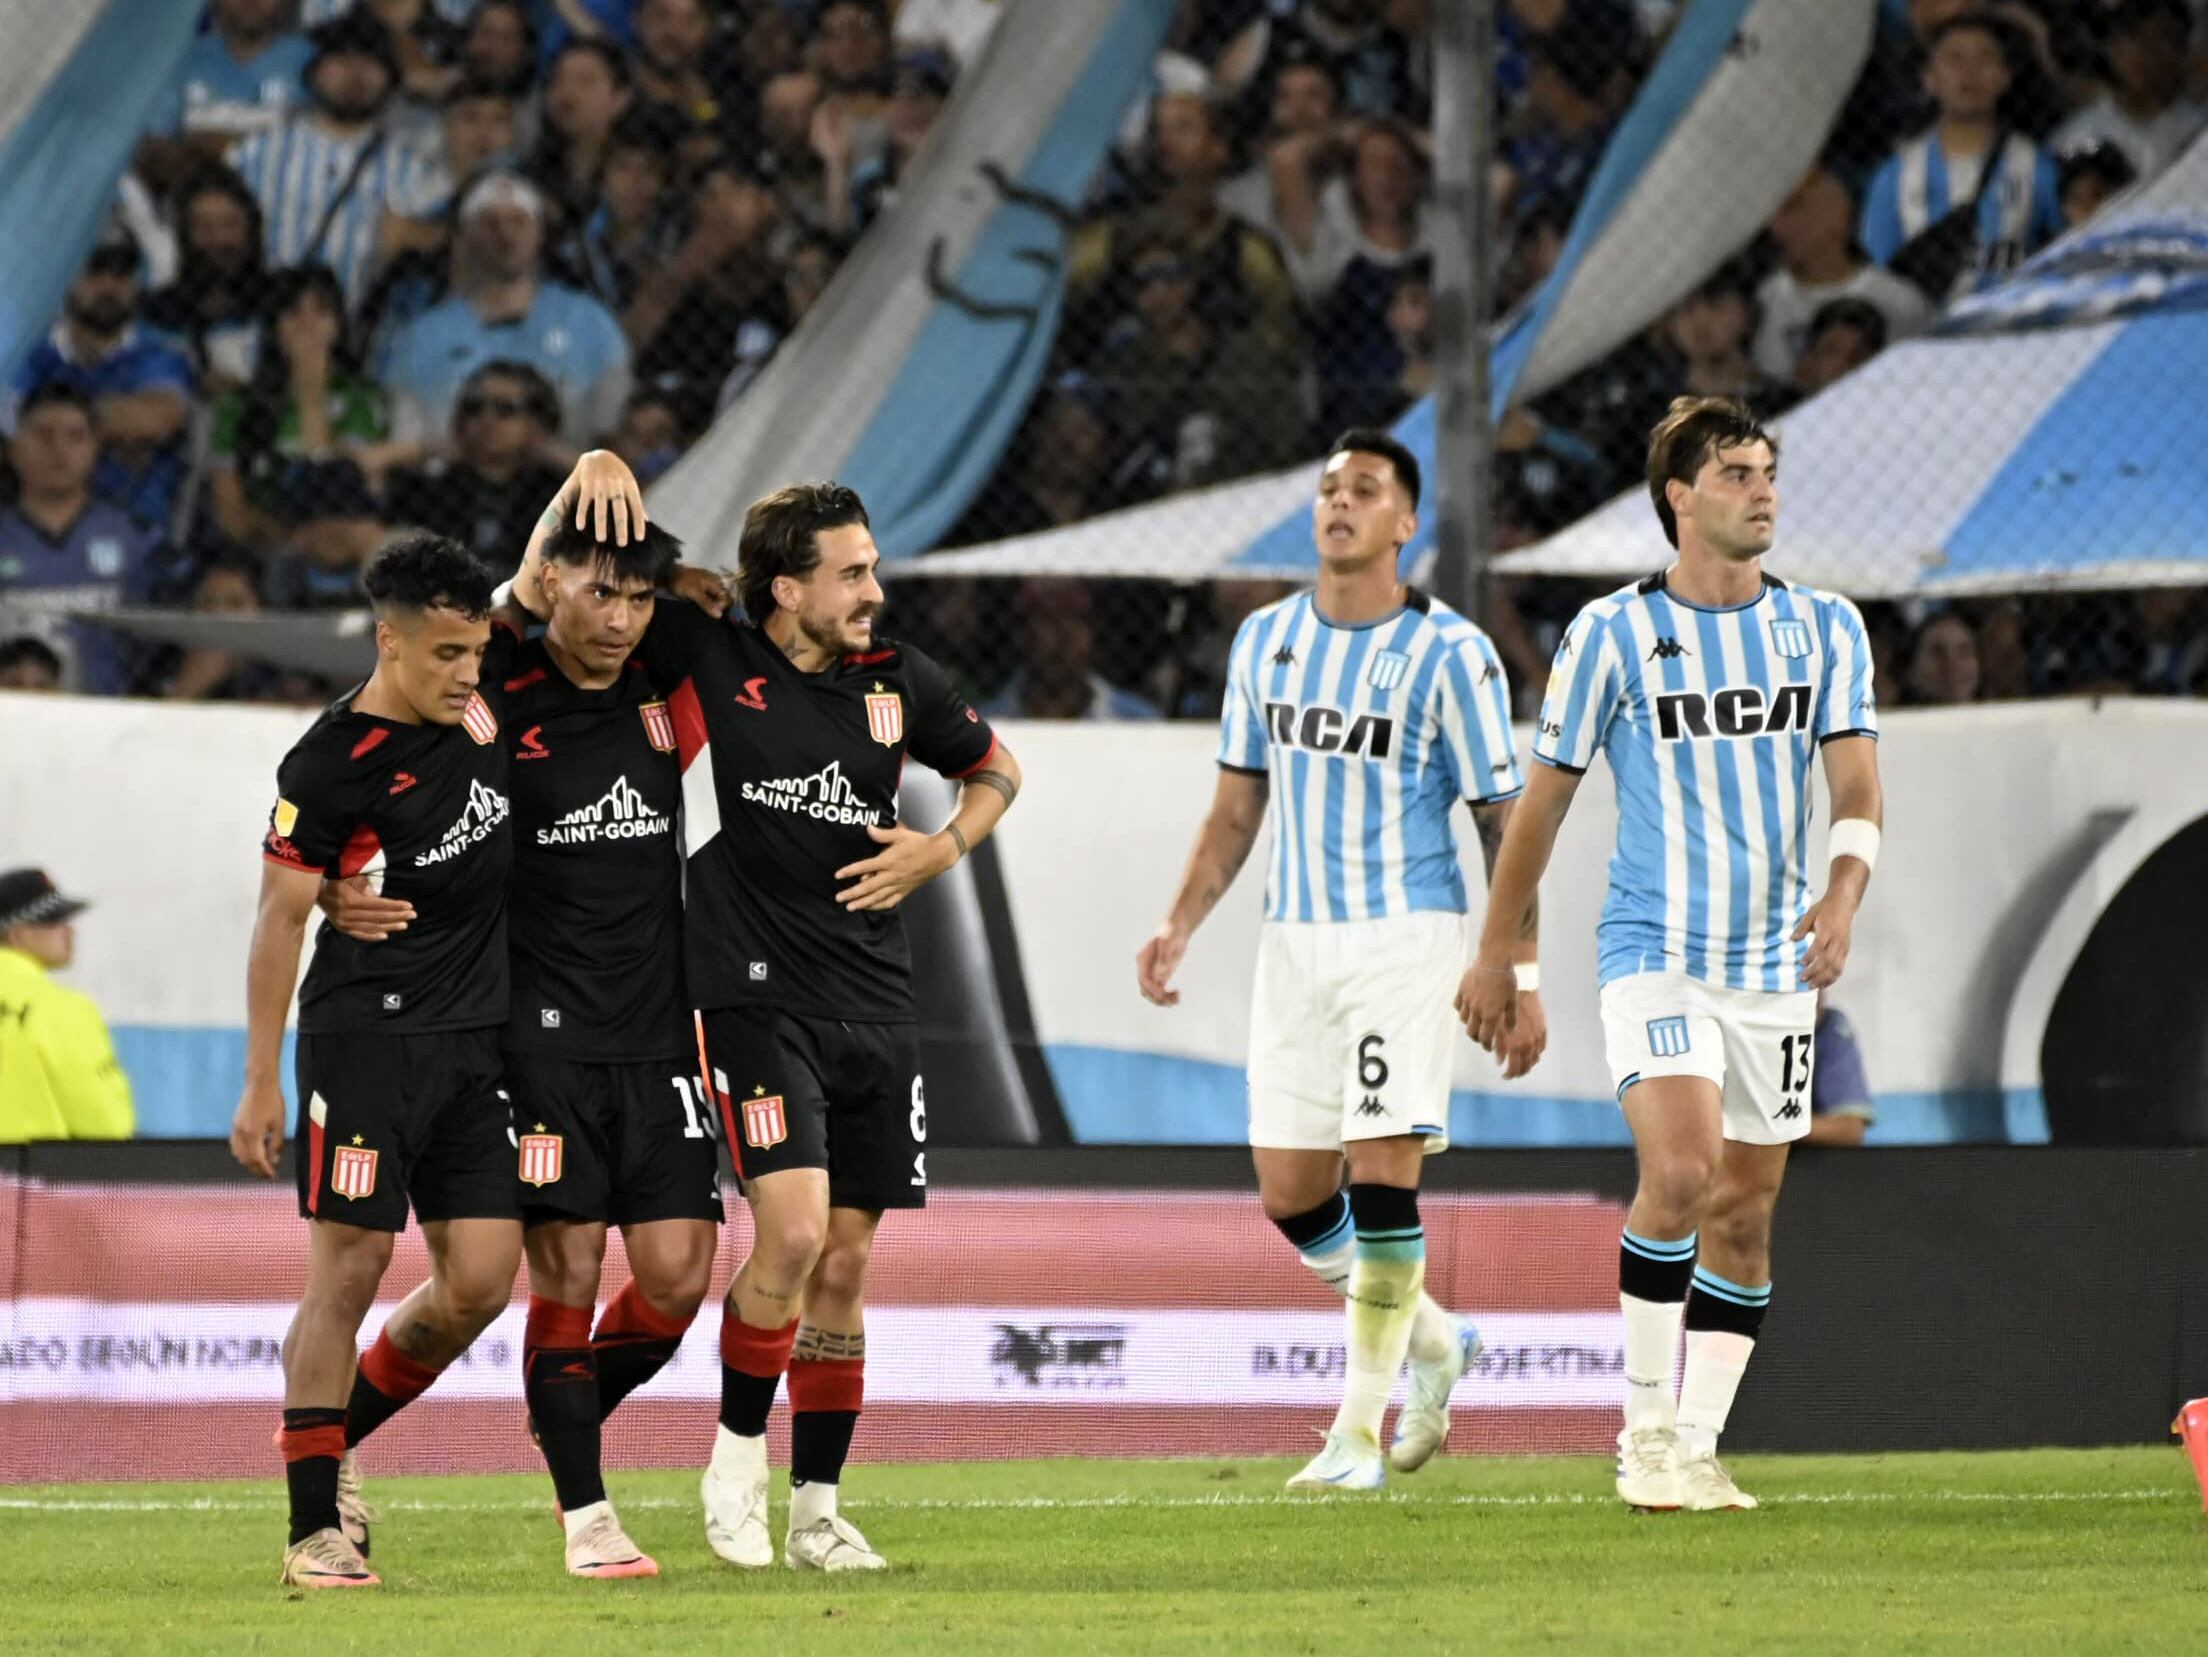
[479,722]
[1790,639]
[540,1157]
[885,716]
[764,1123]
[1388,669]
[659,726]
[353,1171]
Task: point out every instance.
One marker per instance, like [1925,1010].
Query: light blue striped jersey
[1711,720]
[297,168]
[1369,736]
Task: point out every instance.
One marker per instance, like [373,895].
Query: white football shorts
[1754,1044]
[1353,1028]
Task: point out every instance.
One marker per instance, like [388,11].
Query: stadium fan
[2145,113]
[136,383]
[1057,645]
[307,400]
[1819,262]
[504,462]
[1364,931]
[238,78]
[326,172]
[586,93]
[478,124]
[64,552]
[29,664]
[1843,336]
[504,308]
[214,305]
[1707,1004]
[1959,205]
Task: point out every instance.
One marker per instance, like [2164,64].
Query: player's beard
[834,636]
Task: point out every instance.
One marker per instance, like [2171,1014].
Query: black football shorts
[801,1092]
[622,1143]
[385,1120]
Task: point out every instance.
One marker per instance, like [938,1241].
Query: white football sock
[1433,1331]
[1383,1299]
[811,1503]
[738,1457]
[583,1518]
[1716,1360]
[1651,1351]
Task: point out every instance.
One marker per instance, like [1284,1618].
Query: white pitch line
[986,1504]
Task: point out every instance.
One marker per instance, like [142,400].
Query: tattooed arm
[1490,821]
[910,859]
[1222,847]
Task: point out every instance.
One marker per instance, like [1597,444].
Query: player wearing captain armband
[1711,688]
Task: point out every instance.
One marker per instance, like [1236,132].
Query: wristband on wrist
[1528,974]
[1855,837]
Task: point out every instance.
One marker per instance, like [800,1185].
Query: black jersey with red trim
[595,928]
[783,772]
[423,809]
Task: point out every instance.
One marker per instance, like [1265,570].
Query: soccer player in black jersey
[403,778]
[612,1120]
[794,722]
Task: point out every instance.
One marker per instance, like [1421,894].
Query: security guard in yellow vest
[59,1078]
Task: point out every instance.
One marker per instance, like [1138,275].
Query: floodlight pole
[1464,299]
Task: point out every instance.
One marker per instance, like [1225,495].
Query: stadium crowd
[385,263]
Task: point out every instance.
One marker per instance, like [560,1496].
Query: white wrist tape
[1528,974]
[1855,837]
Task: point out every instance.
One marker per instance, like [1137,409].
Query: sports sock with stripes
[387,1381]
[1723,1320]
[1653,1274]
[1384,1284]
[633,1342]
[752,1362]
[313,1442]
[827,1392]
[559,1382]
[1325,1239]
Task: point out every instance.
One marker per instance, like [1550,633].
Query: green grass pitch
[2041,1551]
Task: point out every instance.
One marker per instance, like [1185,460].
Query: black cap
[28,898]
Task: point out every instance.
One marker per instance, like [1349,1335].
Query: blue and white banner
[68,85]
[1729,120]
[2044,436]
[910,377]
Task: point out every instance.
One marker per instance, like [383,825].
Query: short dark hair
[53,394]
[473,88]
[419,571]
[1985,23]
[2105,161]
[650,557]
[27,648]
[616,62]
[1692,430]
[2127,16]
[1370,440]
[1860,314]
[538,395]
[782,537]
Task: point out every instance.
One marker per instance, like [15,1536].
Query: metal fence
[408,286]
